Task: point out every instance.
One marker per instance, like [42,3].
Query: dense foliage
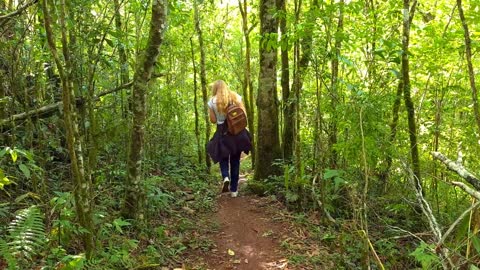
[348,161]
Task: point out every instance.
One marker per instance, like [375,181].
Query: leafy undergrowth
[175,196]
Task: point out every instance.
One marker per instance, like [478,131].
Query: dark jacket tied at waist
[224,144]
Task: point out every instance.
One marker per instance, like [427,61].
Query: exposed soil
[248,236]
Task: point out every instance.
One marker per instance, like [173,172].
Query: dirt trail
[248,238]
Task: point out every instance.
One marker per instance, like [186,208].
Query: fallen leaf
[231,252]
[237,262]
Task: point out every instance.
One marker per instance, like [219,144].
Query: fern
[26,236]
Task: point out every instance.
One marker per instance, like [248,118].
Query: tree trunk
[471,73]
[384,175]
[122,54]
[247,80]
[407,18]
[82,189]
[303,59]
[203,81]
[268,144]
[134,191]
[334,89]
[195,101]
[287,101]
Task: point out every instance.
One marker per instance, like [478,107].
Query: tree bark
[195,101]
[407,18]
[134,191]
[82,188]
[334,88]
[384,175]
[268,144]
[304,55]
[459,169]
[50,109]
[471,72]
[247,80]
[122,54]
[287,101]
[203,81]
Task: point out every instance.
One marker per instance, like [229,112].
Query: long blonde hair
[224,96]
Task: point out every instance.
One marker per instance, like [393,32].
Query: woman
[224,147]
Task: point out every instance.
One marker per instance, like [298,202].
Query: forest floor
[251,233]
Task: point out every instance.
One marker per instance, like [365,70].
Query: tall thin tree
[408,12]
[471,72]
[203,79]
[82,189]
[334,92]
[134,193]
[195,103]
[247,79]
[288,104]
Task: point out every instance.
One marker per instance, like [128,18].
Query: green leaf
[24,170]
[291,196]
[476,243]
[3,180]
[14,155]
[119,223]
[331,173]
[423,254]
[3,152]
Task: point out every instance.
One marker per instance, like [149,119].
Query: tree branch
[51,109]
[18,11]
[459,169]
[467,189]
[454,224]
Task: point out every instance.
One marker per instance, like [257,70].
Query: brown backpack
[236,119]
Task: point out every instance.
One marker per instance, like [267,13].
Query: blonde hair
[224,96]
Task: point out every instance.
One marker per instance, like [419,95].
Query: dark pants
[234,170]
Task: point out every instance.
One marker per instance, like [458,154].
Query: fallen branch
[454,224]
[442,252]
[51,109]
[6,17]
[458,168]
[467,189]
[320,204]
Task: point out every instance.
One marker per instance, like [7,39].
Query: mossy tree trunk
[134,192]
[408,13]
[82,189]
[203,80]
[471,72]
[335,93]
[268,143]
[303,54]
[195,104]
[288,104]
[247,76]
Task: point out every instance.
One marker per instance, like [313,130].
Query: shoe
[226,184]
[234,194]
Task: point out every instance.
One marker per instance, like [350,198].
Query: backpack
[236,119]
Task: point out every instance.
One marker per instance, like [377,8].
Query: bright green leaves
[425,255]
[269,41]
[3,179]
[336,176]
[119,223]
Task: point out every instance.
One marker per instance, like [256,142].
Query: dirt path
[248,237]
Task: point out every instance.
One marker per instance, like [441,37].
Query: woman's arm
[211,113]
